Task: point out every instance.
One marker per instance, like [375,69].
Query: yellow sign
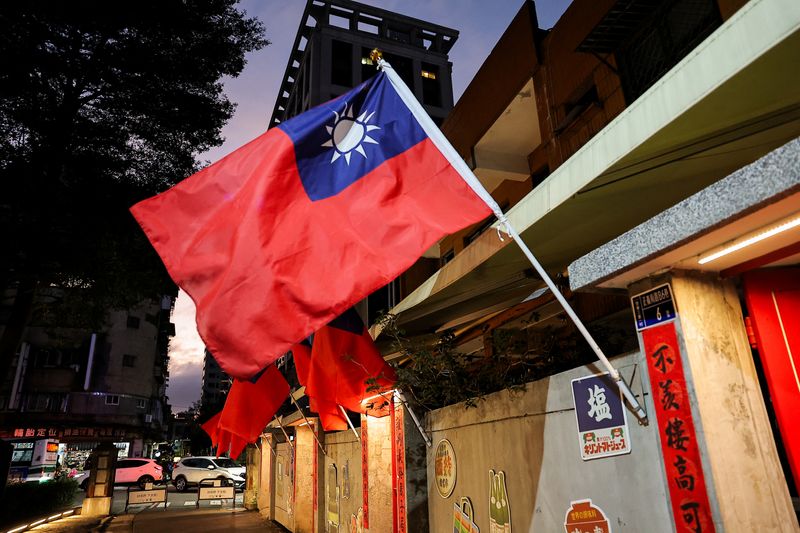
[445,468]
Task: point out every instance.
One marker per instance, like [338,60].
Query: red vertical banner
[399,466]
[687,486]
[315,477]
[365,471]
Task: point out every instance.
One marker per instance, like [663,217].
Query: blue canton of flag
[341,141]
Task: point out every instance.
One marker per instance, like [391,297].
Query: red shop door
[773,300]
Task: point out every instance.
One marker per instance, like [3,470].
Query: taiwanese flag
[346,367]
[329,413]
[250,406]
[286,233]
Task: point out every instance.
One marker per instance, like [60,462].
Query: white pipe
[313,431]
[90,362]
[450,153]
[350,423]
[402,399]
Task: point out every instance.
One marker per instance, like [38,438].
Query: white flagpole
[444,146]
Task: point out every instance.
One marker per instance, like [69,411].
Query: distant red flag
[211,426]
[329,413]
[343,359]
[250,406]
[279,237]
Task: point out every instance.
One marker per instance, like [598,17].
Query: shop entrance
[773,302]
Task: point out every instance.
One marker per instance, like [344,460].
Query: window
[404,68]
[141,404]
[672,32]
[431,89]
[112,399]
[133,322]
[448,256]
[341,63]
[129,360]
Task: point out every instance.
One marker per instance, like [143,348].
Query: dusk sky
[480,24]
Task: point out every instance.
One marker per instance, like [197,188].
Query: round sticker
[445,468]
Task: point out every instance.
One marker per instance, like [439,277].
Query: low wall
[532,437]
[344,453]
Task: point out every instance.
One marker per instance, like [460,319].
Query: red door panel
[773,300]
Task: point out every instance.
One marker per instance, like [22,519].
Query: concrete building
[628,143]
[216,384]
[76,387]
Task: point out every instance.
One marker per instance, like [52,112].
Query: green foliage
[436,374]
[23,501]
[102,106]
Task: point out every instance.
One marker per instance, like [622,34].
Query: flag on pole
[250,406]
[329,414]
[283,235]
[346,366]
[211,426]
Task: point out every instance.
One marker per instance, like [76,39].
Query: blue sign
[653,307]
[602,422]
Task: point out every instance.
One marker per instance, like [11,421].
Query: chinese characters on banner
[602,422]
[399,466]
[364,473]
[687,487]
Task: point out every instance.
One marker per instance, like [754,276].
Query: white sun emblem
[348,134]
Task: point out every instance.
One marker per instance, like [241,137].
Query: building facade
[627,144]
[75,388]
[216,384]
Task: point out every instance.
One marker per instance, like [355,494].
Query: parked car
[129,471]
[191,470]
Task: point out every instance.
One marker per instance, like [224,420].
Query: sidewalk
[207,521]
[210,520]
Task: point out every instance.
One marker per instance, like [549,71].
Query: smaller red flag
[251,405]
[329,413]
[211,426]
[345,363]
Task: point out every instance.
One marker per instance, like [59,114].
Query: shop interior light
[760,235]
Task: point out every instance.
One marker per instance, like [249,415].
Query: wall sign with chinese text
[653,307]
[583,517]
[602,420]
[687,486]
[444,465]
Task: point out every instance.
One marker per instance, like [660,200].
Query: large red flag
[251,405]
[283,235]
[346,367]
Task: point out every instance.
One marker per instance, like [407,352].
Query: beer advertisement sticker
[602,421]
[584,517]
[445,468]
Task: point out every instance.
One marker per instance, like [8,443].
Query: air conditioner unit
[148,418]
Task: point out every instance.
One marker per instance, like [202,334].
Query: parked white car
[191,470]
[135,470]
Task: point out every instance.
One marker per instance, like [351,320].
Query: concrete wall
[532,437]
[379,443]
[284,486]
[344,451]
